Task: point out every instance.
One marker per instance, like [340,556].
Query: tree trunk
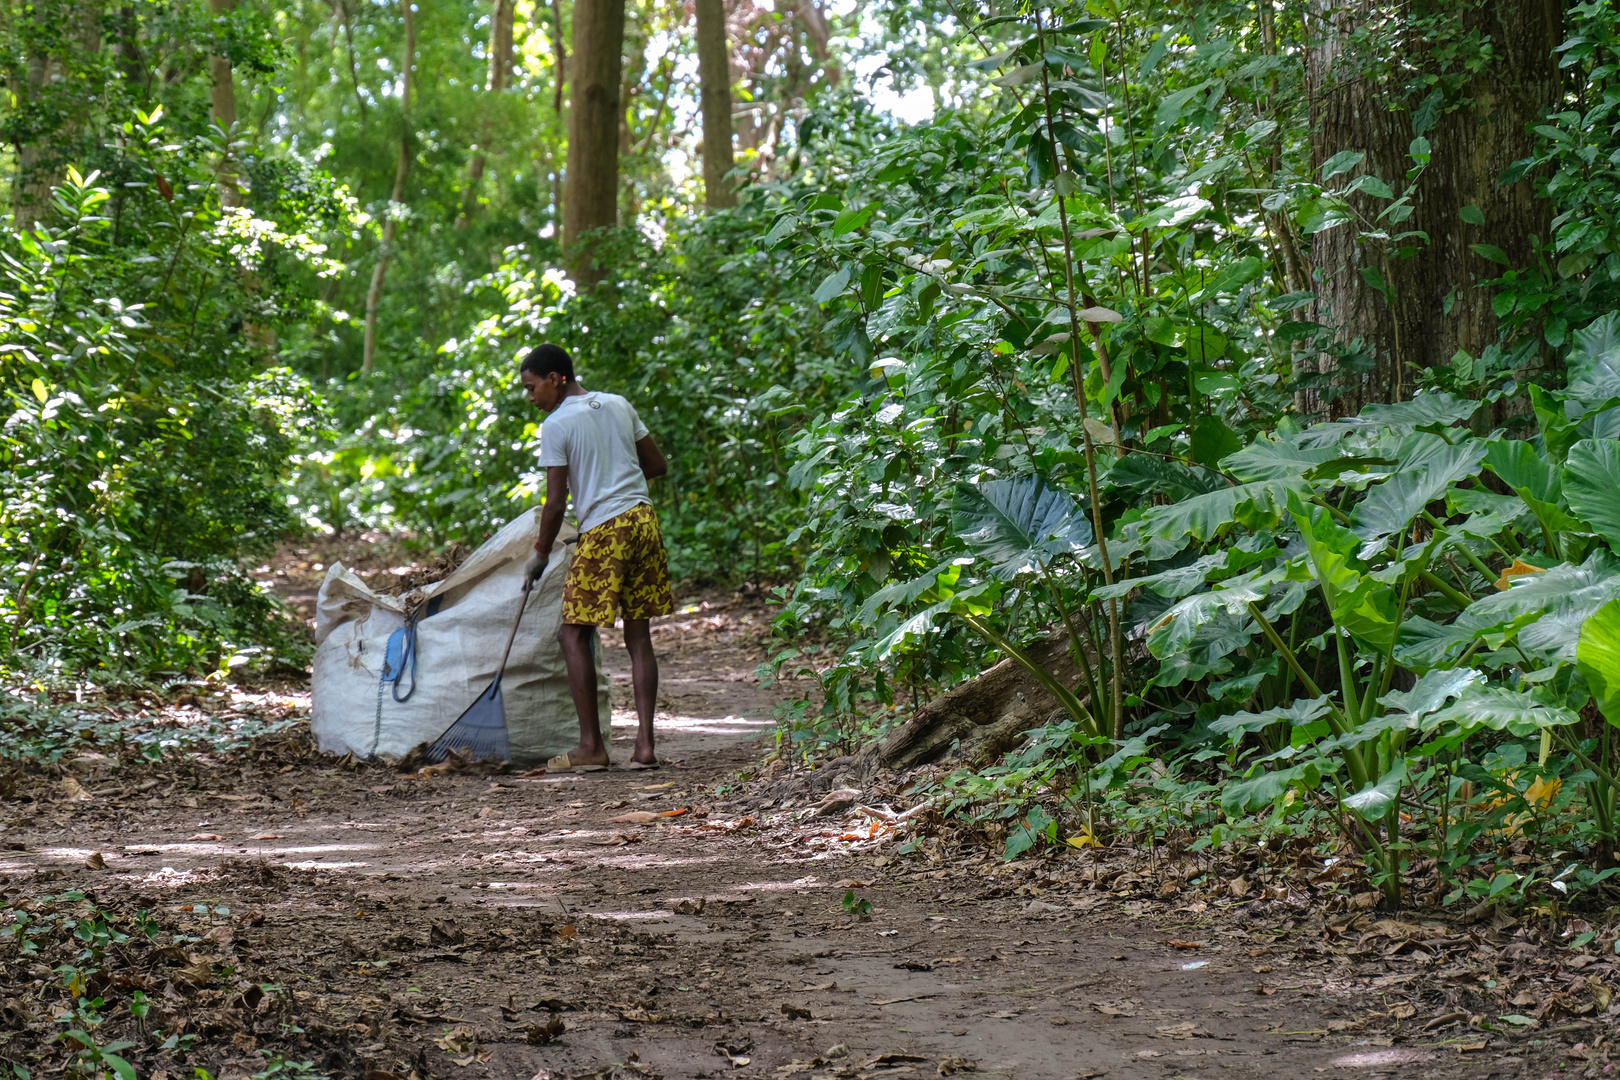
[500,68]
[222,107]
[560,51]
[591,186]
[222,87]
[397,200]
[1436,306]
[31,192]
[714,79]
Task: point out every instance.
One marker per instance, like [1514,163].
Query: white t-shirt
[595,435]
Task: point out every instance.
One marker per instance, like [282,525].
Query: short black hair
[544,359]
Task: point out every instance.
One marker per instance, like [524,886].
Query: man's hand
[533,569]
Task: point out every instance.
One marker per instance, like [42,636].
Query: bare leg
[575,639]
[644,677]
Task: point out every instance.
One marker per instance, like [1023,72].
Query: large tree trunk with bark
[1435,304]
[401,170]
[591,187]
[500,69]
[714,80]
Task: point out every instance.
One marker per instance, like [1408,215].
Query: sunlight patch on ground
[811,882]
[707,725]
[1374,1058]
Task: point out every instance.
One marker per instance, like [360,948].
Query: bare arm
[551,515]
[651,458]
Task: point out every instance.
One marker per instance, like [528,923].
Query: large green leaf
[1594,363]
[1202,517]
[1592,486]
[1362,605]
[1431,691]
[1176,628]
[1498,708]
[1177,581]
[1422,644]
[1536,480]
[1426,411]
[1019,524]
[1267,785]
[1276,459]
[1598,657]
[1374,800]
[904,593]
[1302,711]
[1149,475]
[1390,507]
[1543,612]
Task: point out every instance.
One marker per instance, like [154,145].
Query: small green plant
[856,906]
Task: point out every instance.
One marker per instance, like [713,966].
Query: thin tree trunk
[1436,306]
[560,49]
[222,107]
[500,67]
[590,189]
[397,200]
[714,80]
[222,89]
[31,192]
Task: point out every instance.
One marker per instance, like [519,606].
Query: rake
[479,733]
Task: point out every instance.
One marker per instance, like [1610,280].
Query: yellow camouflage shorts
[620,563]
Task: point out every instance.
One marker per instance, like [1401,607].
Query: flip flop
[642,766]
[561,764]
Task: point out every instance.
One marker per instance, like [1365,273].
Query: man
[595,446]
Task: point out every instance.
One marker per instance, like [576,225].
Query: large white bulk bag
[363,700]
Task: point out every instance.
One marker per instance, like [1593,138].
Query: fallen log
[984,716]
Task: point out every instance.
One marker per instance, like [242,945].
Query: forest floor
[472,926]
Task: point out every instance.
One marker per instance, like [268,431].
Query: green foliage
[1342,623]
[708,338]
[145,441]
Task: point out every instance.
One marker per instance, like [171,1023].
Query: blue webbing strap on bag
[399,654]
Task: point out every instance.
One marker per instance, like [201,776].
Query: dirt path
[468,926]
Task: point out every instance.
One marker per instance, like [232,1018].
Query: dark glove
[533,569]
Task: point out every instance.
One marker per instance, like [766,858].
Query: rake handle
[510,638]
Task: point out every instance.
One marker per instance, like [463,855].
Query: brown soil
[474,926]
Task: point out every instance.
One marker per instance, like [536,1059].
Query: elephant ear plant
[1400,624]
[1032,538]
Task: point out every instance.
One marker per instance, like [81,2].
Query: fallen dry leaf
[568,932]
[634,817]
[952,1065]
[94,861]
[852,883]
[676,813]
[204,836]
[74,790]
[616,840]
[549,1032]
[1177,943]
[1445,1018]
[689,906]
[794,1012]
